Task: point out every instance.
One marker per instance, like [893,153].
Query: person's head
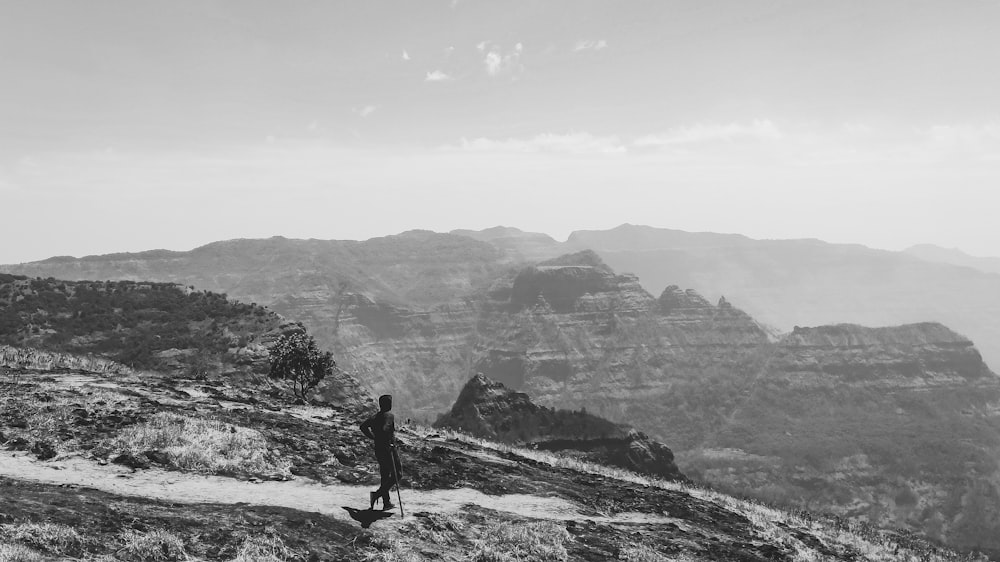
[385,402]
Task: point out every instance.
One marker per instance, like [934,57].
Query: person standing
[382,429]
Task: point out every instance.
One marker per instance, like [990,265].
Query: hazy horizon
[559,239]
[133,126]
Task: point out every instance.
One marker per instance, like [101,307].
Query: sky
[128,125]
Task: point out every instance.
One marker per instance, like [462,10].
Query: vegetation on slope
[157,326]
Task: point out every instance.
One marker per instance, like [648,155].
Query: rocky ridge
[488,409]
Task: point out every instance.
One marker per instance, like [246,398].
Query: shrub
[296,358]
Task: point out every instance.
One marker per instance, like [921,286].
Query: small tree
[295,358]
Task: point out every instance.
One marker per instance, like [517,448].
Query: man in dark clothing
[382,428]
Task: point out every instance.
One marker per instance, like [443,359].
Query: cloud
[365,111]
[406,56]
[590,45]
[964,141]
[570,143]
[481,45]
[757,130]
[498,62]
[437,76]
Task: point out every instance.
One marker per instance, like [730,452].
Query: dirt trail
[301,494]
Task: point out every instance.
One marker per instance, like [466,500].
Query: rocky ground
[70,420]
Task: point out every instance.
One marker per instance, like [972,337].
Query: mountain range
[896,425]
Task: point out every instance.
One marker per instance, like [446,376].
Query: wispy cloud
[585,45]
[437,76]
[365,111]
[757,130]
[499,62]
[406,56]
[570,143]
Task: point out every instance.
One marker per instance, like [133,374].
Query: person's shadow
[366,516]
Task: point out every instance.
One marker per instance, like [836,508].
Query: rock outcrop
[488,409]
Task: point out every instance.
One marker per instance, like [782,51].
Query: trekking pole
[395,474]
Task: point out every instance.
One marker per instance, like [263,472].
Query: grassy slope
[326,445]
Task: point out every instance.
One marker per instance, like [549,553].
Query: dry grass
[18,553]
[267,548]
[643,553]
[28,358]
[522,542]
[45,419]
[198,445]
[390,551]
[154,546]
[50,538]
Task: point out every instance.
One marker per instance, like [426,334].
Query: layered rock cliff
[488,409]
[900,426]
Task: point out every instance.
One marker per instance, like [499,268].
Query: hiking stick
[395,475]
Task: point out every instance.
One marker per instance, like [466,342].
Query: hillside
[416,268]
[488,409]
[127,326]
[152,467]
[953,256]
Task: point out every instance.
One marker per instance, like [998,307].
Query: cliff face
[603,343]
[570,333]
[900,426]
[490,410]
[808,282]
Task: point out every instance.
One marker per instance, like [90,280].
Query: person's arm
[366,428]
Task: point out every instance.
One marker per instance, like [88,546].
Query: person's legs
[385,462]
